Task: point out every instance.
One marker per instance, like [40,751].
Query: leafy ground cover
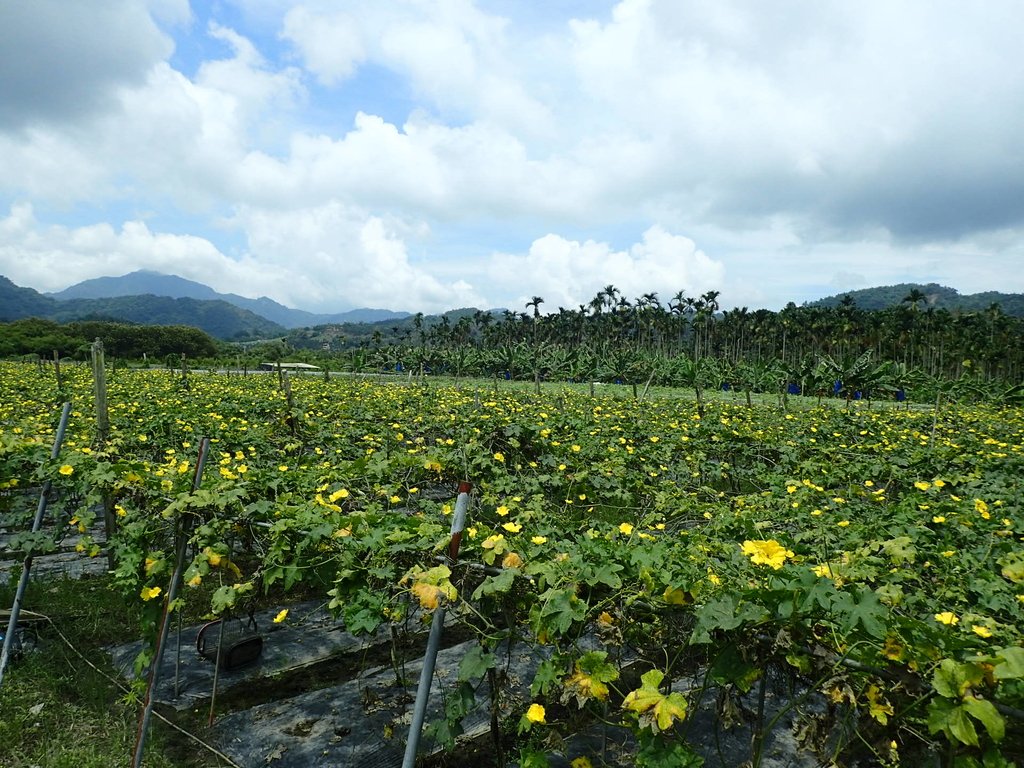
[872,555]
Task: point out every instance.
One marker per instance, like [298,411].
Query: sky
[423,155]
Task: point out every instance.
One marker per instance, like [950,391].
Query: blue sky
[429,154]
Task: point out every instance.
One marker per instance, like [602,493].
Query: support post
[99,378]
[183,534]
[37,523]
[434,641]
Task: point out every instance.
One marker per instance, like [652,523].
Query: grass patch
[56,710]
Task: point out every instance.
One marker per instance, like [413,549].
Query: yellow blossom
[981,630]
[281,616]
[539,539]
[499,456]
[948,618]
[535,714]
[626,529]
[148,593]
[512,560]
[512,527]
[501,511]
[66,469]
[766,552]
[939,519]
[922,485]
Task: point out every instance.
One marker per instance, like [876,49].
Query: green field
[873,554]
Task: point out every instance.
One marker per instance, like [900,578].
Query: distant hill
[217,318]
[936,296]
[145,282]
[17,302]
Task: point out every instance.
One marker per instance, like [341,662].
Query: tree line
[690,340]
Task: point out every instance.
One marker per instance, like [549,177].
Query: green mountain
[935,296]
[17,302]
[146,282]
[217,318]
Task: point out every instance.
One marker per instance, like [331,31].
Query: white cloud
[338,256]
[569,273]
[876,129]
[51,258]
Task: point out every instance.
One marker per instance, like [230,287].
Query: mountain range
[152,298]
[146,282]
[935,296]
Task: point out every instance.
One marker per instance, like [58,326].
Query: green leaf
[548,673]
[985,713]
[962,728]
[1010,665]
[495,585]
[952,720]
[474,664]
[558,610]
[865,610]
[222,599]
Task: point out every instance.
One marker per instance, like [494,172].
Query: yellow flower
[341,493]
[66,469]
[395,499]
[843,523]
[948,618]
[790,489]
[538,539]
[768,552]
[981,630]
[195,581]
[581,762]
[536,713]
[939,519]
[939,483]
[499,456]
[148,593]
[501,511]
[922,485]
[512,527]
[281,616]
[626,528]
[981,508]
[512,560]
[878,707]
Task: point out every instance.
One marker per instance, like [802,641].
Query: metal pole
[37,523]
[434,641]
[172,594]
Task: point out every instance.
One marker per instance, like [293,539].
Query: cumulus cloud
[341,256]
[882,135]
[569,273]
[52,257]
[63,60]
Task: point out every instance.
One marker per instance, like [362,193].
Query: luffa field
[870,558]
